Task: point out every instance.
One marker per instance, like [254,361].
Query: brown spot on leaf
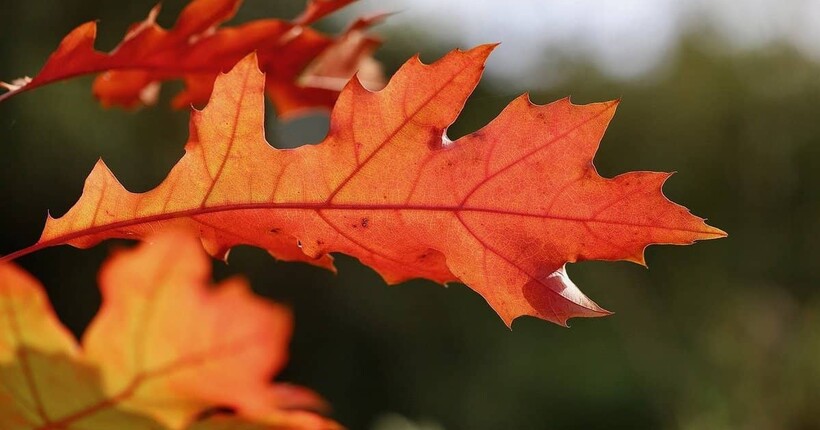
[435,140]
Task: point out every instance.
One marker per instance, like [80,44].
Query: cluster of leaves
[502,210]
[305,69]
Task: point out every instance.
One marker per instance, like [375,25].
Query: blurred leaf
[164,348]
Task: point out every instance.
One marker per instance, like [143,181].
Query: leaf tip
[718,233]
[590,311]
[479,53]
[607,105]
[482,52]
[87,29]
[708,232]
[249,62]
[100,172]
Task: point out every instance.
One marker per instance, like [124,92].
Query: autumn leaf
[502,209]
[196,50]
[163,348]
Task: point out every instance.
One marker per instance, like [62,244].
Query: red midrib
[326,207]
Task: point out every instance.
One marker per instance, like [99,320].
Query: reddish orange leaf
[195,50]
[164,348]
[502,209]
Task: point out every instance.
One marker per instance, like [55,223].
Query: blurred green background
[721,335]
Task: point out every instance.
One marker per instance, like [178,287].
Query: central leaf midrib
[322,206]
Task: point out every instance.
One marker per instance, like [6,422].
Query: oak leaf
[502,209]
[164,348]
[196,50]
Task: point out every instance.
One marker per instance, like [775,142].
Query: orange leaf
[164,348]
[195,50]
[502,209]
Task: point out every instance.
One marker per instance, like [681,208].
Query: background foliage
[722,335]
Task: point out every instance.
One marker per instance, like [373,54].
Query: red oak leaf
[502,209]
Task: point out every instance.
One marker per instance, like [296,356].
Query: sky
[625,38]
